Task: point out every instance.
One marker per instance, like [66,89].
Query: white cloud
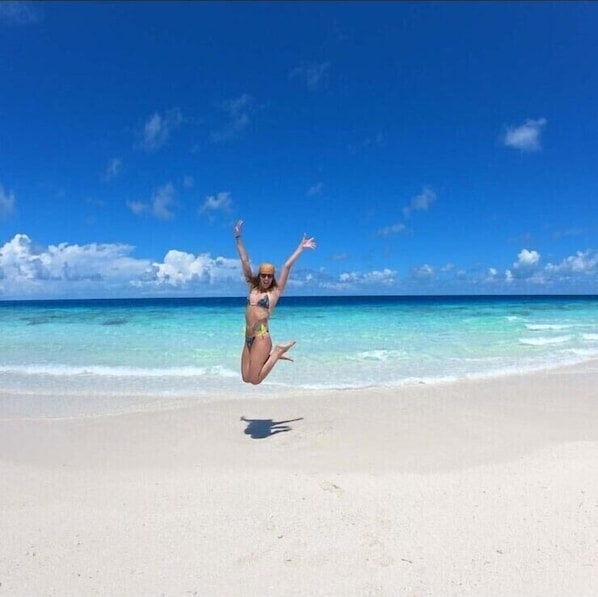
[314,75]
[376,141]
[7,202]
[526,264]
[558,234]
[525,137]
[221,202]
[579,271]
[385,277]
[181,269]
[111,270]
[420,202]
[138,207]
[390,230]
[158,128]
[29,271]
[424,272]
[57,269]
[19,13]
[527,258]
[159,206]
[112,169]
[237,111]
[338,256]
[350,277]
[583,262]
[316,190]
[161,202]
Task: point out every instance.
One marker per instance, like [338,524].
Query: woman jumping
[258,358]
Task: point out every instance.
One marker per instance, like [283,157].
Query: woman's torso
[259,306]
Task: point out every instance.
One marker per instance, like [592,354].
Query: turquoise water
[70,358]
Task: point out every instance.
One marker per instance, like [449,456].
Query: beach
[477,487]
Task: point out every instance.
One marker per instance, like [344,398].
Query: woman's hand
[238,226]
[308,243]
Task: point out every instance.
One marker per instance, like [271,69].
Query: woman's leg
[263,358]
[245,362]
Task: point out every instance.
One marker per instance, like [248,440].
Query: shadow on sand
[263,428]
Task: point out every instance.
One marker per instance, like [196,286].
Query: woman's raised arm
[242,252]
[306,243]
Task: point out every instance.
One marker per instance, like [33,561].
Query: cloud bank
[30,271]
[106,270]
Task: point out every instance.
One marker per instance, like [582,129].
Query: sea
[77,358]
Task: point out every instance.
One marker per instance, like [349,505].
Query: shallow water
[62,358]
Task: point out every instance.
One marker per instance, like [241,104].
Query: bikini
[263,302]
[259,328]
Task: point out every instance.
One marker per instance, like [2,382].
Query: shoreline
[472,408]
[159,403]
[480,487]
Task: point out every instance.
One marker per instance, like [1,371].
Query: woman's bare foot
[280,350]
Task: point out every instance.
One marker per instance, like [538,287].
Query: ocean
[99,357]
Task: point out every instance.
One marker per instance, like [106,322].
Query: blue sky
[431,148]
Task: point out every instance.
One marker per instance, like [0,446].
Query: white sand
[479,488]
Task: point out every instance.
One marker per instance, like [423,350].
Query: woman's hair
[255,282]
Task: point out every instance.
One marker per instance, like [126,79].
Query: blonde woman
[258,357]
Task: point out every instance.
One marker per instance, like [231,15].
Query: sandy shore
[485,488]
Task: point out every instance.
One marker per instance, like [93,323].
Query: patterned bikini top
[262,302]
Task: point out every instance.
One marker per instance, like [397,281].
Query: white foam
[545,340]
[102,371]
[585,353]
[378,355]
[538,327]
